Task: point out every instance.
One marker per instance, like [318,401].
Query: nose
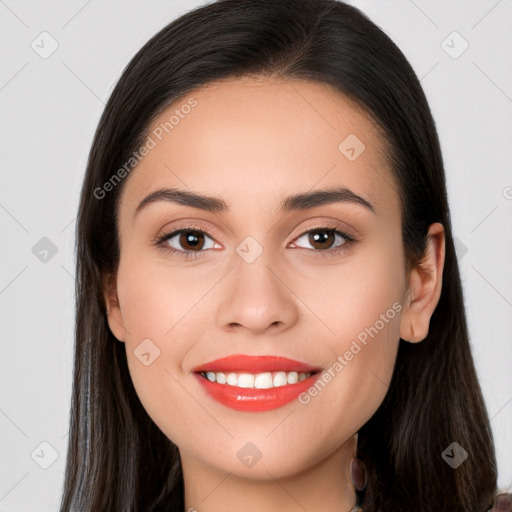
[257,298]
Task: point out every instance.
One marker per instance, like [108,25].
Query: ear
[115,320]
[425,282]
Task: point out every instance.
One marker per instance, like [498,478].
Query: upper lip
[255,364]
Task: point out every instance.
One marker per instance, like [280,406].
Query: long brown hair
[118,459]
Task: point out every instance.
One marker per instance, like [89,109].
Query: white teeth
[280,379]
[292,378]
[265,380]
[246,380]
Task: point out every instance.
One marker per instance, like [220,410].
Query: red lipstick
[255,383]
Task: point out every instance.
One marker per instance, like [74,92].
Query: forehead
[252,140]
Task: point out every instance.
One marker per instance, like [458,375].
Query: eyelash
[160,241]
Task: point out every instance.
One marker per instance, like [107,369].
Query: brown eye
[321,239]
[325,239]
[187,241]
[191,240]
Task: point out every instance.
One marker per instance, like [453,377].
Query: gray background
[50,108]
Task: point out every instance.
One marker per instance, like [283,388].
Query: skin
[252,142]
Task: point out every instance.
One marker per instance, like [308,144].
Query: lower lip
[252,399]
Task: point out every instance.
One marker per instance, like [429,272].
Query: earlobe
[113,310]
[425,283]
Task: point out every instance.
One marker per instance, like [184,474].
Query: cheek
[156,308]
[363,292]
[360,305]
[372,309]
[157,299]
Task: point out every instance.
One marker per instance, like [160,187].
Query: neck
[324,486]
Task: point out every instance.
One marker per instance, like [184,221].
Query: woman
[269,308]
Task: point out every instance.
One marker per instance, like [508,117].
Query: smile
[255,383]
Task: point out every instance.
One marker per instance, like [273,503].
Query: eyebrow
[217,205]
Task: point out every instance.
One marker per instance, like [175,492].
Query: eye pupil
[193,239]
[321,237]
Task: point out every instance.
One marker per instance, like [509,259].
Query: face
[317,285]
